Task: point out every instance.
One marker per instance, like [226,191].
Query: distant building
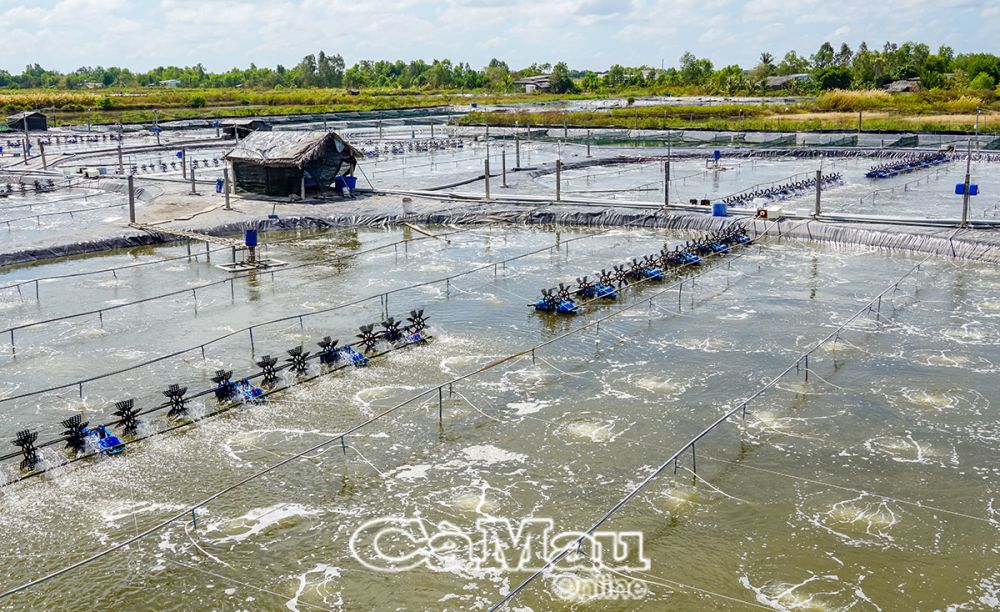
[775,83]
[31,121]
[93,85]
[534,83]
[904,85]
[281,163]
[170,83]
[242,128]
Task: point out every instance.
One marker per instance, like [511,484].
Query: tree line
[827,68]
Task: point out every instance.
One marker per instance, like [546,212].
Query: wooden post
[432,131]
[503,161]
[565,128]
[859,121]
[131,199]
[303,186]
[558,179]
[486,174]
[121,164]
[517,152]
[41,150]
[225,186]
[184,162]
[193,188]
[588,143]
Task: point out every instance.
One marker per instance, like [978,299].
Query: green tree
[559,79]
[824,56]
[983,81]
[833,77]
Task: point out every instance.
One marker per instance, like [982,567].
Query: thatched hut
[28,121]
[242,128]
[287,163]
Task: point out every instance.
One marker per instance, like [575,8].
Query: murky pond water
[869,485]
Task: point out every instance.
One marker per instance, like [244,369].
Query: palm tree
[766,59]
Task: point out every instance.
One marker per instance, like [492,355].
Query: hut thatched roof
[290,148]
[24,115]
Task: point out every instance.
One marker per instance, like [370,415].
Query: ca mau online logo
[400,544]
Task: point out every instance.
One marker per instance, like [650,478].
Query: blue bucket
[250,238]
[719,210]
[351,182]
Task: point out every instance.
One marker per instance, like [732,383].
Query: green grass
[142,105]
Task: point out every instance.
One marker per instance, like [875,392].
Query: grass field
[147,105]
[833,110]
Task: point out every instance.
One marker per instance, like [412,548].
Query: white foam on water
[321,587]
[490,455]
[412,472]
[817,592]
[529,407]
[596,431]
[257,521]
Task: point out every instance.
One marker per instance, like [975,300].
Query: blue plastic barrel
[218,185]
[251,238]
[719,210]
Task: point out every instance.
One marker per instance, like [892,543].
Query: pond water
[871,484]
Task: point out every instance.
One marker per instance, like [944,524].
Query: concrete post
[666,183]
[225,186]
[819,192]
[486,175]
[41,150]
[194,189]
[517,152]
[121,163]
[558,179]
[588,143]
[968,181]
[565,128]
[432,131]
[303,187]
[131,199]
[184,172]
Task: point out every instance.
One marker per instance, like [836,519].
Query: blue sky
[588,34]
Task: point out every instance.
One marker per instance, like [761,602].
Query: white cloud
[141,34]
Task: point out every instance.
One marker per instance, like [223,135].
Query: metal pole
[503,162]
[225,186]
[968,177]
[131,199]
[486,175]
[558,179]
[819,191]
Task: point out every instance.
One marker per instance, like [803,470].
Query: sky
[587,34]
